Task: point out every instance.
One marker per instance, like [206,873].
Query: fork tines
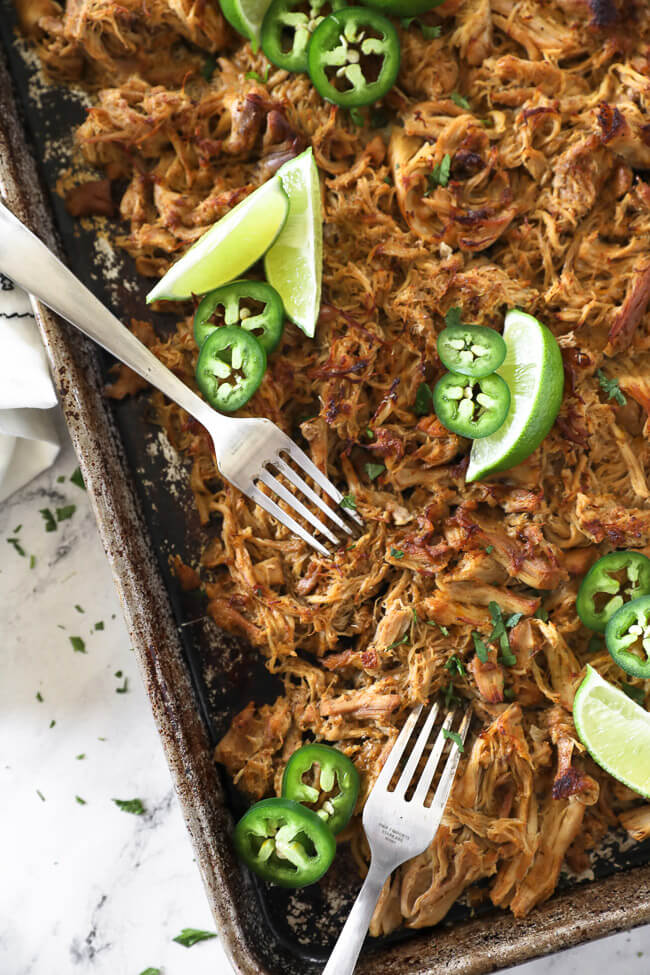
[426,777]
[343,517]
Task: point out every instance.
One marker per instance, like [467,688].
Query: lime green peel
[534,373]
[614,730]
[294,264]
[246,17]
[228,248]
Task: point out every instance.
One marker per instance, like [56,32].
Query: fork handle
[350,941]
[33,266]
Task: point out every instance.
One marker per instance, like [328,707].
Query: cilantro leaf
[79,608]
[134,806]
[459,100]
[82,802]
[40,795]
[357,118]
[453,317]
[397,553]
[39,696]
[482,651]
[489,550]
[66,512]
[430,33]
[78,644]
[439,175]
[52,723]
[254,76]
[443,629]
[512,621]
[16,544]
[374,470]
[455,666]
[49,519]
[77,478]
[455,737]
[541,614]
[611,387]
[349,501]
[451,698]
[398,643]
[99,625]
[423,400]
[191,936]
[509,693]
[151,971]
[124,688]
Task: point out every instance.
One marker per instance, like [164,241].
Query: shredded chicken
[513,170]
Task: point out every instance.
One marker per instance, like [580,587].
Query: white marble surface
[88,889]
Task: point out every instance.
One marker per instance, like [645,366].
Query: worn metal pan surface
[196,676]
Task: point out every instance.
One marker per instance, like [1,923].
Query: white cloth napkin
[29,441]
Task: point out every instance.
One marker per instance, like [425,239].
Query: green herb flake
[52,723]
[134,806]
[66,512]
[374,470]
[32,561]
[500,636]
[453,318]
[635,693]
[40,795]
[397,553]
[512,621]
[398,643]
[450,696]
[455,737]
[509,693]
[489,550]
[49,519]
[388,180]
[208,68]
[124,688]
[439,175]
[430,33]
[423,400]
[482,651]
[17,546]
[82,802]
[191,936]
[370,434]
[349,501]
[541,614]
[611,388]
[595,644]
[151,971]
[60,479]
[254,76]
[39,696]
[77,478]
[459,100]
[81,756]
[443,629]
[78,644]
[79,608]
[99,625]
[455,666]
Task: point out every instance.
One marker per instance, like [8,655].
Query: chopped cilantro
[79,608]
[453,317]
[481,650]
[512,621]
[636,693]
[151,971]
[509,693]
[459,100]
[349,501]
[209,67]
[356,117]
[49,519]
[415,614]
[451,699]
[16,544]
[455,666]
[60,479]
[439,175]
[443,629]
[66,512]
[40,795]
[78,644]
[32,561]
[428,32]
[397,553]
[455,737]
[541,614]
[254,76]
[80,756]
[17,529]
[398,643]
[388,180]
[423,400]
[77,478]
[52,723]
[500,635]
[489,550]
[39,696]
[124,688]
[118,673]
[191,936]
[82,802]
[133,806]
[611,387]
[99,625]
[374,470]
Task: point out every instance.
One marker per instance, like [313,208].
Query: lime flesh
[614,730]
[229,247]
[294,265]
[246,17]
[534,372]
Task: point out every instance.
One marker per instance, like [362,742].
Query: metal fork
[397,829]
[245,448]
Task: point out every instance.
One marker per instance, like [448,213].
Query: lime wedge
[614,730]
[246,17]
[229,247]
[534,372]
[294,265]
